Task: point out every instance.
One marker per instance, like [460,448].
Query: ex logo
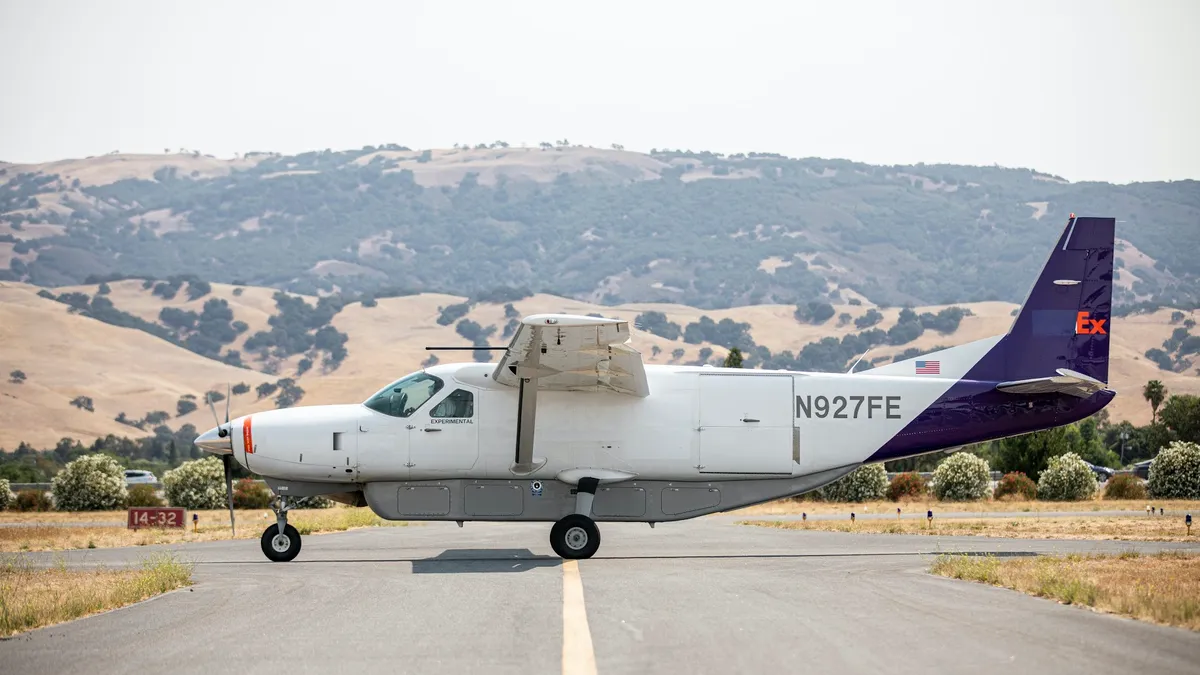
[1085,325]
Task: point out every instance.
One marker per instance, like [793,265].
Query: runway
[704,596]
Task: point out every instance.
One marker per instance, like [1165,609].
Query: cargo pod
[745,423]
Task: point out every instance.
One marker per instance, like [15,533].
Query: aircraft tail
[1065,322]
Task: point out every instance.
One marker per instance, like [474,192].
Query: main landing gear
[576,536]
[280,542]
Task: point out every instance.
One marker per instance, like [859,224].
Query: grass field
[1163,588]
[31,597]
[53,531]
[796,507]
[1131,528]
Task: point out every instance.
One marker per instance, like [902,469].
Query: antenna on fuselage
[864,355]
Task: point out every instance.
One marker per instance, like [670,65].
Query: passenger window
[403,397]
[460,403]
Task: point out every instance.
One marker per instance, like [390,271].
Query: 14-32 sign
[155,516]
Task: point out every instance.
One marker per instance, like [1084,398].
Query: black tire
[575,537]
[283,549]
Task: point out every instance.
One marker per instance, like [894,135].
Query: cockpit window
[404,396]
[460,403]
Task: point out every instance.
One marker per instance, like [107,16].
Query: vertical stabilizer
[1066,319]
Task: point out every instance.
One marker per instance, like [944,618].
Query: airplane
[571,428]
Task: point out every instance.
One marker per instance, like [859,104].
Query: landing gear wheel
[575,537]
[281,547]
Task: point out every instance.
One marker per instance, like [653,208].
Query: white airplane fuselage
[701,425]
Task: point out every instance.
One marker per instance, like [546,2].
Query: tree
[734,358]
[1181,416]
[1154,392]
[184,406]
[17,377]
[84,403]
[1031,453]
[677,353]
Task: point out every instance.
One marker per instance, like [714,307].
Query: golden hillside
[65,355]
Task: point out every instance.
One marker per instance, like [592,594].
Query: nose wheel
[280,542]
[575,537]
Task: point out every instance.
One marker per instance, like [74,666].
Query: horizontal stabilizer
[1066,382]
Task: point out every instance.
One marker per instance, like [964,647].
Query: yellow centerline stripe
[578,658]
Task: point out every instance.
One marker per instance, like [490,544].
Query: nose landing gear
[280,542]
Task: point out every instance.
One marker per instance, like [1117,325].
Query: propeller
[226,460]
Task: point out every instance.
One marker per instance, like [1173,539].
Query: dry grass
[1163,588]
[794,507]
[57,535]
[1131,528]
[32,597]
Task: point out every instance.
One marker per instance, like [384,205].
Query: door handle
[749,419]
[432,429]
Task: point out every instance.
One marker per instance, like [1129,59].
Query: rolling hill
[65,354]
[605,226]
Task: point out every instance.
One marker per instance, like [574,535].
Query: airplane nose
[215,440]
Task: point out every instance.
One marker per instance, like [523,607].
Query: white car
[135,476]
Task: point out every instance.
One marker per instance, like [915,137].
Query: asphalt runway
[700,596]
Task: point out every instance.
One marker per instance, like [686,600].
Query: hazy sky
[1089,90]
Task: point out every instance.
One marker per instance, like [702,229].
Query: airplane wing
[564,352]
[1066,382]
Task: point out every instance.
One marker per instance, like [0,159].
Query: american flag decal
[929,367]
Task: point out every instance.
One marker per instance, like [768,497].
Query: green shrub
[866,483]
[90,483]
[143,495]
[907,486]
[1016,485]
[250,494]
[34,500]
[7,498]
[198,484]
[1125,486]
[1175,472]
[961,477]
[1067,479]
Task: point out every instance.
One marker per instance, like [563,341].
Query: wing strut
[527,373]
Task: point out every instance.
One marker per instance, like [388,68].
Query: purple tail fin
[1066,320]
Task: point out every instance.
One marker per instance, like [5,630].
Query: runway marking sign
[155,516]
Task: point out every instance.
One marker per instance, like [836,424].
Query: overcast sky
[1089,90]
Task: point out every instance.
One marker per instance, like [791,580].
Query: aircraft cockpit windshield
[404,396]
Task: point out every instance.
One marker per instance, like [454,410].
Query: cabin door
[745,424]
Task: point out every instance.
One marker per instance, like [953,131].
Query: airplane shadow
[479,560]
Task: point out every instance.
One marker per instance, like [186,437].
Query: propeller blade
[227,460]
[228,395]
[213,408]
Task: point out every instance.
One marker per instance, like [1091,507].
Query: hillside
[603,226]
[66,354]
